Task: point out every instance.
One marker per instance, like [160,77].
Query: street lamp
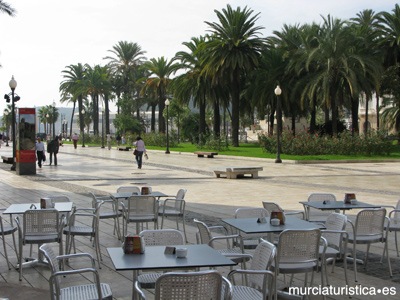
[278,92]
[54,119]
[48,127]
[102,127]
[6,113]
[13,85]
[166,105]
[65,129]
[83,133]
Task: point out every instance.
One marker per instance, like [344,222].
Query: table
[22,207]
[126,195]
[154,258]
[335,205]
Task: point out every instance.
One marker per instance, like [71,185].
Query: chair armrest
[228,290]
[227,238]
[142,296]
[391,206]
[265,272]
[2,209]
[84,209]
[69,256]
[244,255]
[296,213]
[393,211]
[219,227]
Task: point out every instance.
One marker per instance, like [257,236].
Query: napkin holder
[146,190]
[133,244]
[348,197]
[46,203]
[277,214]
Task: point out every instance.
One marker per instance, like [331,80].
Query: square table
[155,258]
[22,207]
[126,195]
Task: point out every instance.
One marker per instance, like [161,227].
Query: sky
[46,36]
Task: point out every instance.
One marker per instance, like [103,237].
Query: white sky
[48,35]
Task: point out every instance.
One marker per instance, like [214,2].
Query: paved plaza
[208,198]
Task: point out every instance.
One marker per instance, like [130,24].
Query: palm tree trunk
[107,111]
[72,120]
[377,111]
[161,106]
[235,107]
[334,114]
[365,127]
[217,119]
[81,119]
[202,121]
[354,114]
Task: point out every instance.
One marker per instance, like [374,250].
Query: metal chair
[174,207]
[273,206]
[394,216]
[127,189]
[250,241]
[87,215]
[299,252]
[108,210]
[39,226]
[60,198]
[258,287]
[139,209]
[336,238]
[95,290]
[236,254]
[311,211]
[202,285]
[162,237]
[7,229]
[369,228]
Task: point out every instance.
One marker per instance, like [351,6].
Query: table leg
[135,276]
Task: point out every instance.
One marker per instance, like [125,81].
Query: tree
[160,70]
[233,51]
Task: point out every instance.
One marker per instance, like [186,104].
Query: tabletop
[129,194]
[250,225]
[340,205]
[22,207]
[154,258]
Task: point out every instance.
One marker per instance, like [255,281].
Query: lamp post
[54,119]
[83,133]
[6,113]
[13,85]
[102,127]
[48,123]
[278,92]
[167,104]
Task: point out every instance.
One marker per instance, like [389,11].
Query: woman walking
[140,149]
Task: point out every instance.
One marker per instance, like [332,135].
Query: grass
[254,150]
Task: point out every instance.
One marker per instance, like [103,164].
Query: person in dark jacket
[52,149]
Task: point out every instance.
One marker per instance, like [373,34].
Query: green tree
[233,51]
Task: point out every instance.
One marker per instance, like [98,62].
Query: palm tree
[160,70]
[6,8]
[7,119]
[42,117]
[233,51]
[71,90]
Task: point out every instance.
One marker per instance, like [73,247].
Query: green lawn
[254,150]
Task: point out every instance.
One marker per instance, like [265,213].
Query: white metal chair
[369,228]
[7,229]
[273,206]
[60,198]
[250,241]
[299,252]
[258,287]
[83,222]
[174,207]
[40,226]
[312,211]
[202,285]
[161,237]
[108,210]
[95,290]
[139,209]
[127,189]
[336,238]
[394,216]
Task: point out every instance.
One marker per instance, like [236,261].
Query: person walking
[40,154]
[140,149]
[75,139]
[52,149]
[109,141]
[118,138]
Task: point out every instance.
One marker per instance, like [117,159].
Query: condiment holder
[275,222]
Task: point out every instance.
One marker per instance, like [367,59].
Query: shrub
[213,142]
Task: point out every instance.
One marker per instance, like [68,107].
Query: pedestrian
[75,139]
[140,149]
[123,140]
[118,138]
[52,149]
[109,141]
[40,154]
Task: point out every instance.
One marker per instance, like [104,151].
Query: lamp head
[12,83]
[167,102]
[278,90]
[82,111]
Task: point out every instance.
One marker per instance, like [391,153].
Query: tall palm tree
[160,70]
[42,117]
[71,90]
[232,52]
[6,8]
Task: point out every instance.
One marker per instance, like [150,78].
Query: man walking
[52,149]
[39,147]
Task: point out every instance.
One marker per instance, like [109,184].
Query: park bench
[124,148]
[203,153]
[7,160]
[235,172]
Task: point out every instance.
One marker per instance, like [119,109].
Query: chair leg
[355,261]
[20,260]
[162,221]
[15,247]
[5,251]
[366,256]
[388,258]
[184,228]
[395,240]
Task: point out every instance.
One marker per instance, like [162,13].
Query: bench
[124,148]
[7,160]
[235,172]
[203,153]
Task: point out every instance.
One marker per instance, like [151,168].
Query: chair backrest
[41,221]
[203,285]
[395,217]
[271,206]
[181,194]
[142,205]
[321,197]
[262,259]
[204,234]
[251,212]
[321,215]
[162,237]
[128,189]
[298,246]
[335,221]
[370,222]
[61,198]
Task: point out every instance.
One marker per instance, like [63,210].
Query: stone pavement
[208,198]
